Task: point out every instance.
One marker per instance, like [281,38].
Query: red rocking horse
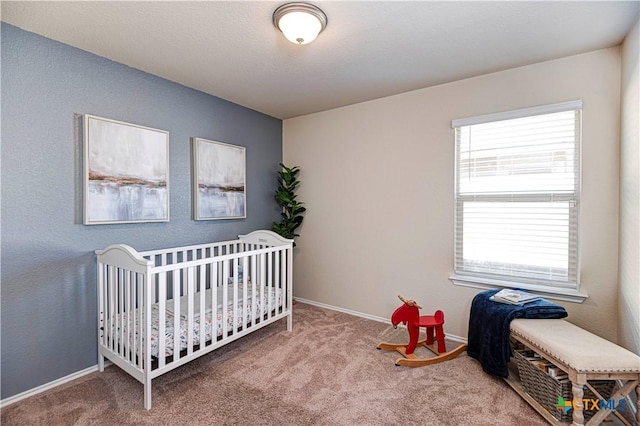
[409,315]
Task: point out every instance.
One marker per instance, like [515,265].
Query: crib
[160,309]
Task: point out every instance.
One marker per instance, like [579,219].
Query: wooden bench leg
[638,402]
[578,405]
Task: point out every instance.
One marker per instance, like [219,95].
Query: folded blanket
[489,321]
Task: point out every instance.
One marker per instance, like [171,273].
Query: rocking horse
[409,315]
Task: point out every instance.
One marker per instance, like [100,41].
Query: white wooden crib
[143,297]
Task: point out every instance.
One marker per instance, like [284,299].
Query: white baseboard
[42,388]
[367,316]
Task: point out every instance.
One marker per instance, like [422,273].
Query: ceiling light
[299,22]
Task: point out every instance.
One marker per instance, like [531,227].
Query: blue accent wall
[48,309]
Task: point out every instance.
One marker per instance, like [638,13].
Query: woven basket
[546,389]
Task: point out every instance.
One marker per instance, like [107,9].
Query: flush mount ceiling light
[299,22]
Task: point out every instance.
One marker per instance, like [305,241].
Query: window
[518,197]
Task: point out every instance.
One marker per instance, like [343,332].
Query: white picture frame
[126,172]
[219,180]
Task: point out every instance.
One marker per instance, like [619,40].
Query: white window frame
[568,292]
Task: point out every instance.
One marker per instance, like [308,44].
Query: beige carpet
[326,372]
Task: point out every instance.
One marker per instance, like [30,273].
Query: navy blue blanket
[489,321]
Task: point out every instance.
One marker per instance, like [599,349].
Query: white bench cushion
[579,349]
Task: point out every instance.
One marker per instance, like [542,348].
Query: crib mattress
[260,307]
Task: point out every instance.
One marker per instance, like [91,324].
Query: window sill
[566,295]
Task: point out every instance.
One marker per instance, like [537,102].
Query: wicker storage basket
[546,389]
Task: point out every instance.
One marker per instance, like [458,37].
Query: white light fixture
[299,22]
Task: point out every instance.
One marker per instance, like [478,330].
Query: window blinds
[517,195]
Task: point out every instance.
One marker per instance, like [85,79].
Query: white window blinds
[517,195]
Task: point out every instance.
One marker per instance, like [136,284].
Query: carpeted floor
[326,372]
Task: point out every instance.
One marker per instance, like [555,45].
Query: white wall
[378,181]
[629,296]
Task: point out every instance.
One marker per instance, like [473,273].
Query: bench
[583,356]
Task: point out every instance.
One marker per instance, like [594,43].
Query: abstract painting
[219,178]
[126,172]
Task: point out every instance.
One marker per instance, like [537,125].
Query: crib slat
[284,285]
[162,295]
[184,273]
[190,313]
[236,320]
[263,281]
[107,308]
[254,296]
[127,292]
[176,315]
[130,315]
[245,270]
[277,283]
[203,292]
[225,298]
[134,313]
[126,344]
[269,286]
[116,309]
[121,312]
[109,326]
[131,326]
[213,286]
[113,331]
[280,287]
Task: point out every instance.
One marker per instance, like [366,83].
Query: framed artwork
[219,180]
[126,172]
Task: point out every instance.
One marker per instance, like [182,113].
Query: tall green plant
[292,210]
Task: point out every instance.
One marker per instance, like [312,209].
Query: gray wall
[48,266]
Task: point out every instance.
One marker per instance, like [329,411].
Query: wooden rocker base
[411,360]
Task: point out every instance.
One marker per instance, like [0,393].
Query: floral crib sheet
[261,306]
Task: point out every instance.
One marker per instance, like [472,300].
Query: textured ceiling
[370,49]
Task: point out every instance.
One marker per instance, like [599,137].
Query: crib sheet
[261,307]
